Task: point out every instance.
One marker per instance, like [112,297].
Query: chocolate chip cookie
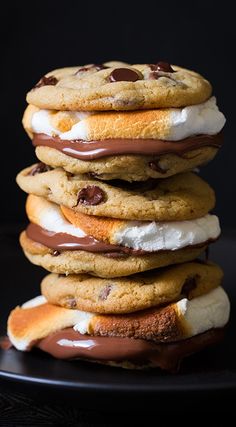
[181,197]
[133,293]
[119,87]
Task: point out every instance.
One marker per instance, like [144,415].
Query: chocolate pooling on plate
[137,351]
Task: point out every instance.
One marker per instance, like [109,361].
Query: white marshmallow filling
[193,120]
[144,235]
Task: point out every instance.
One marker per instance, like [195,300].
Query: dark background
[38,37]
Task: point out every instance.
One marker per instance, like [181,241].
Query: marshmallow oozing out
[193,120]
[198,315]
[145,235]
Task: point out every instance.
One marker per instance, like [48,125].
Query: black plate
[213,369]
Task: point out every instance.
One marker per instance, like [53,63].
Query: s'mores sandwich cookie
[174,126]
[186,312]
[78,225]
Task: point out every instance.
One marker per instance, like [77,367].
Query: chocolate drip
[67,242]
[90,150]
[137,351]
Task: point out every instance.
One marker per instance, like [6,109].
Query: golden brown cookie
[133,293]
[181,197]
[107,266]
[128,167]
[119,87]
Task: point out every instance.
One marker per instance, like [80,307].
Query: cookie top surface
[181,197]
[129,294]
[119,86]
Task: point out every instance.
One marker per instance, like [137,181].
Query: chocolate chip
[105,292]
[100,67]
[47,81]
[139,186]
[97,67]
[71,302]
[189,284]
[91,196]
[69,175]
[56,253]
[124,75]
[155,166]
[115,255]
[164,66]
[39,168]
[160,67]
[93,175]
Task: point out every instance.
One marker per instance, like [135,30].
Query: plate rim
[206,386]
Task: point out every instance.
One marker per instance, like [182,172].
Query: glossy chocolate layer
[65,242]
[90,150]
[137,351]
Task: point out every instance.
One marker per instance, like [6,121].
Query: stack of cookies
[119,216]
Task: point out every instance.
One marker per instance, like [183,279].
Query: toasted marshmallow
[34,302]
[174,235]
[144,235]
[172,124]
[205,312]
[48,215]
[198,119]
[184,319]
[36,319]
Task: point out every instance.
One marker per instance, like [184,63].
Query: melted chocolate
[91,195]
[124,75]
[155,166]
[39,168]
[64,241]
[164,66]
[138,351]
[90,150]
[47,81]
[97,67]
[189,285]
